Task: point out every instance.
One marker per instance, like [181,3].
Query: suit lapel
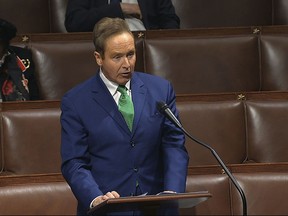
[103,98]
[139,93]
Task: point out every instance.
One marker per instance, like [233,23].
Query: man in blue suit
[82,15]
[102,158]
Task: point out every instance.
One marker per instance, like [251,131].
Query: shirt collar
[112,86]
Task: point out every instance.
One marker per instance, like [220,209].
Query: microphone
[164,109]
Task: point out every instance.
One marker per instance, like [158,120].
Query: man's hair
[106,28]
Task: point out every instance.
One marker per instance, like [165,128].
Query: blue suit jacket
[100,154]
[82,15]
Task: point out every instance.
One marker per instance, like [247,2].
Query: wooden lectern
[150,203]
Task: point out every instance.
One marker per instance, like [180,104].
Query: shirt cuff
[91,204]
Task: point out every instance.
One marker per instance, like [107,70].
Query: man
[103,156]
[17,80]
[82,15]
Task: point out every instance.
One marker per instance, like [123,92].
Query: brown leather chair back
[205,64]
[265,192]
[267,131]
[223,13]
[47,197]
[61,65]
[220,125]
[274,62]
[31,140]
[27,15]
[280,12]
[218,186]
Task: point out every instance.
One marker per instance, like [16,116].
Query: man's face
[119,58]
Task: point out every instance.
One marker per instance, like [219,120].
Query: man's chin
[122,81]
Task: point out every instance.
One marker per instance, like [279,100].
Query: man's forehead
[120,43]
[124,36]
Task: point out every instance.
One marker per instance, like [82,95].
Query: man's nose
[126,62]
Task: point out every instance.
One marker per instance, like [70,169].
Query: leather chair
[218,124]
[205,64]
[31,141]
[62,65]
[36,195]
[29,16]
[265,192]
[267,131]
[218,186]
[280,12]
[274,62]
[223,13]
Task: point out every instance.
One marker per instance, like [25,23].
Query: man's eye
[117,57]
[130,55]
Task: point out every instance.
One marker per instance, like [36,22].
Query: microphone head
[161,106]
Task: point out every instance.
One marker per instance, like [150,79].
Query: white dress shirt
[112,87]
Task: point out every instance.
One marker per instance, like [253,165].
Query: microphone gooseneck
[164,109]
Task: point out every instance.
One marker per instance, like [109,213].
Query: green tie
[125,106]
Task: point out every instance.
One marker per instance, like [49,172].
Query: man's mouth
[126,73]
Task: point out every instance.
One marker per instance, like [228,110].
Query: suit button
[135,169]
[132,143]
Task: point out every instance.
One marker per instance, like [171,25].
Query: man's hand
[131,10]
[108,195]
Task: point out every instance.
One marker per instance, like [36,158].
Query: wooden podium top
[142,202]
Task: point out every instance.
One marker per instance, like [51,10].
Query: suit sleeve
[175,155]
[159,14]
[168,18]
[75,157]
[82,15]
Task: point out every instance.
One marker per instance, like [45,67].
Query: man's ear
[98,58]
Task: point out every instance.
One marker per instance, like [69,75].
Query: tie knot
[122,89]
